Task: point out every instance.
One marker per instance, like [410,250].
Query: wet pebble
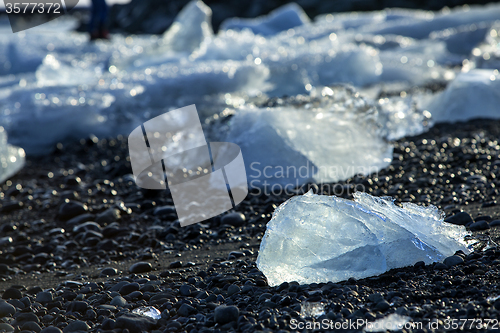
[141,267]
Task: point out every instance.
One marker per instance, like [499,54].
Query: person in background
[97,25]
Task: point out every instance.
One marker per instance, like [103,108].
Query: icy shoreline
[57,87]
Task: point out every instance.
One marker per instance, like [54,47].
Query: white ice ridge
[315,238]
[11,158]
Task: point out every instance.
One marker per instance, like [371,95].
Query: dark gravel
[81,246]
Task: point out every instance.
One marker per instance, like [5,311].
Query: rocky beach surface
[82,248]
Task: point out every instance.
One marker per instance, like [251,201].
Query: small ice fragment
[11,157]
[312,309]
[317,238]
[392,322]
[148,311]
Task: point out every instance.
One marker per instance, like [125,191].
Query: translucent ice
[283,18]
[313,238]
[11,158]
[331,141]
[191,26]
[148,311]
[475,94]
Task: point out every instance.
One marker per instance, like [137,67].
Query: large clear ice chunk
[315,238]
[11,157]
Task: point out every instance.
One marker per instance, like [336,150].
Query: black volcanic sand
[60,271]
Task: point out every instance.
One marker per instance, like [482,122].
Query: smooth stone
[6,309]
[141,267]
[234,219]
[135,323]
[31,326]
[233,289]
[27,316]
[382,306]
[376,297]
[78,306]
[175,264]
[440,266]
[453,260]
[109,271]
[128,288]
[71,209]
[164,210]
[108,216]
[76,326]
[44,297]
[118,301]
[12,293]
[185,310]
[479,225]
[185,290]
[495,223]
[225,314]
[108,324]
[7,328]
[461,218]
[51,329]
[118,286]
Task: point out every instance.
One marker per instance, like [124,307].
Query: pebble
[108,216]
[185,310]
[109,271]
[78,306]
[51,329]
[31,326]
[175,264]
[141,267]
[479,225]
[382,306]
[6,309]
[12,293]
[225,314]
[234,219]
[233,289]
[76,326]
[185,290]
[118,301]
[135,323]
[44,297]
[7,328]
[453,260]
[461,218]
[71,209]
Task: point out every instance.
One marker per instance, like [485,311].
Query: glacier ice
[56,86]
[191,26]
[474,94]
[281,19]
[315,238]
[11,157]
[326,138]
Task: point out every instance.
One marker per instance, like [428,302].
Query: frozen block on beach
[281,19]
[475,94]
[191,26]
[285,147]
[11,158]
[315,238]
